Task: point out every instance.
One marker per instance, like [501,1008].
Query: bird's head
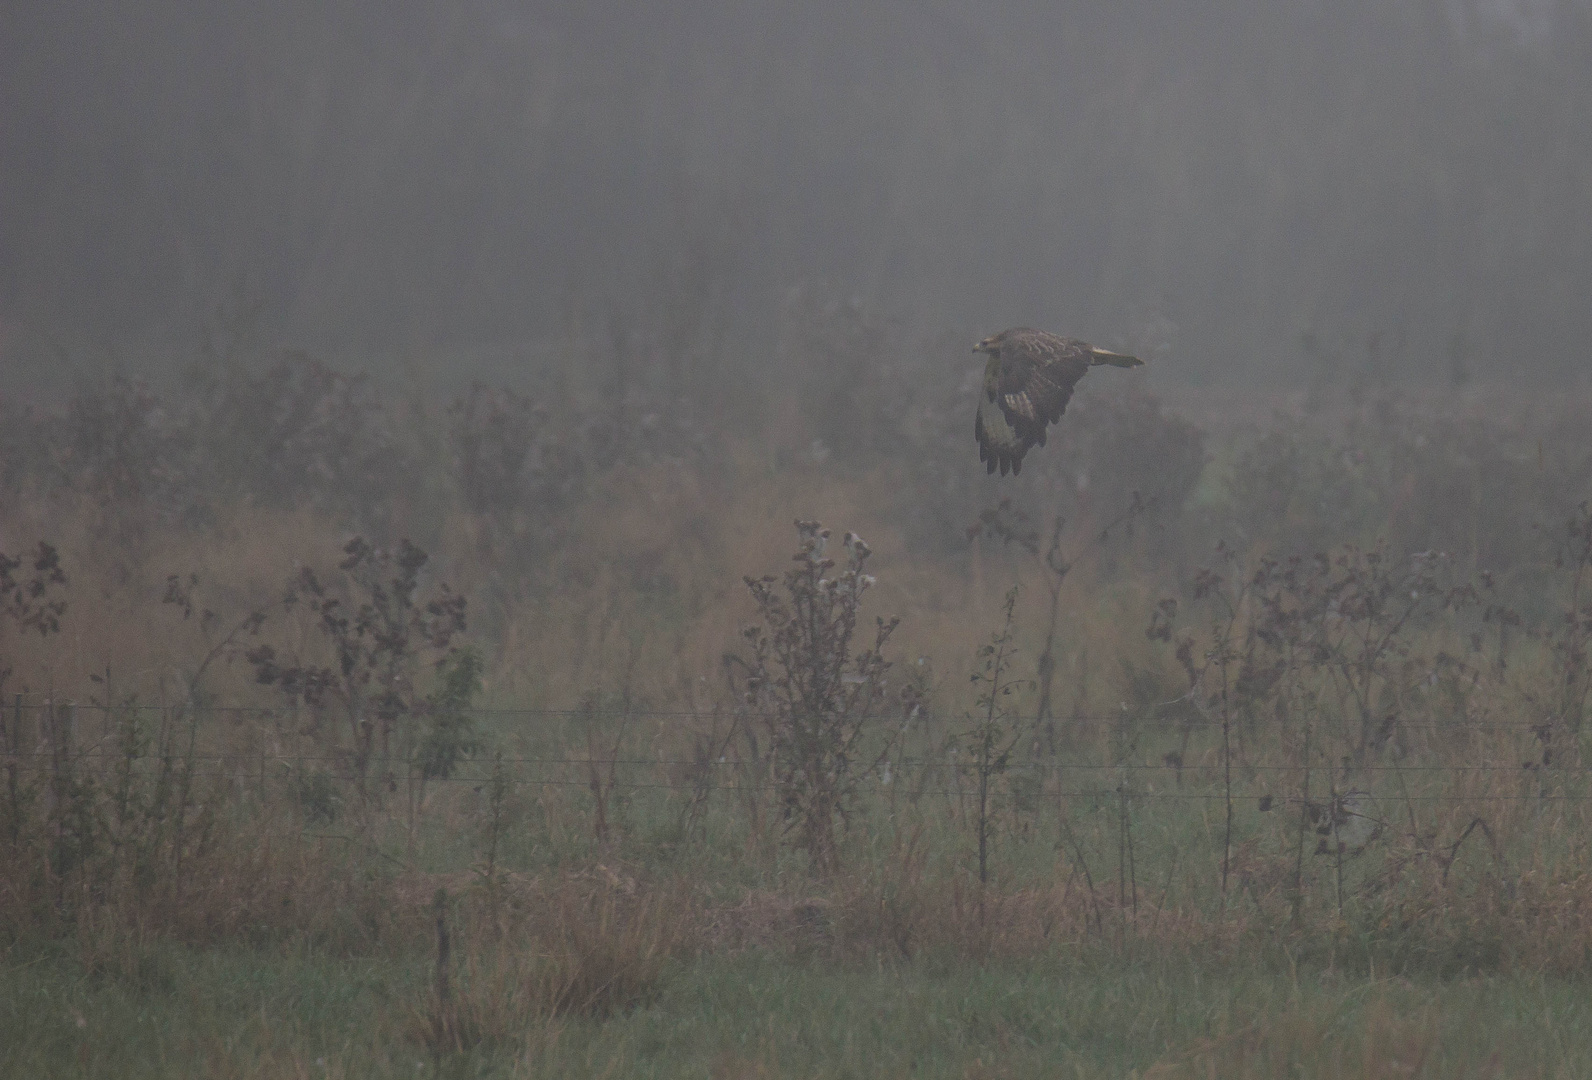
[990,344]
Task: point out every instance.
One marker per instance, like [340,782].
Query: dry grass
[591,945]
[150,650]
[644,592]
[649,591]
[263,883]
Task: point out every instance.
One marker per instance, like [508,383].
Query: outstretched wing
[1027,385]
[1038,372]
[998,443]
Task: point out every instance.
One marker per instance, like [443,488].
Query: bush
[817,697]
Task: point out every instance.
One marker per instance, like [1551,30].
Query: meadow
[359,732]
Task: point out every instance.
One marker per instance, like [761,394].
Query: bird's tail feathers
[1114,359]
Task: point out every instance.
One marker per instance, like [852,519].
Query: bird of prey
[1028,381]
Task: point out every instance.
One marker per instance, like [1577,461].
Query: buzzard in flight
[1027,383]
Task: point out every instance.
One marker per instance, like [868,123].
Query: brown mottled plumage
[1028,381]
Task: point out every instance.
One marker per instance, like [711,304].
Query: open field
[499,577]
[435,745]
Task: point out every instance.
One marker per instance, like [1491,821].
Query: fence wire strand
[41,760]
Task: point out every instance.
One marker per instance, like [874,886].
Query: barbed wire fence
[37,735]
[134,780]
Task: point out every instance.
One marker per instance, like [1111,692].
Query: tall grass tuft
[581,948]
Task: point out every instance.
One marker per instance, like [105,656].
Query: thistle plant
[818,697]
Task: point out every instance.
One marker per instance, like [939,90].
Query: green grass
[1456,984]
[172,1011]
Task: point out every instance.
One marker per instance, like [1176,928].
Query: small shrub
[995,730]
[378,631]
[819,699]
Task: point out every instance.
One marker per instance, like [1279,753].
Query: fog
[430,184]
[405,408]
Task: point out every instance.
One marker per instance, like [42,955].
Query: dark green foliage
[318,796]
[448,734]
[30,602]
[378,630]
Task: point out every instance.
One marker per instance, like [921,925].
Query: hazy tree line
[479,181]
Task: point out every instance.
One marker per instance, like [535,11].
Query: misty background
[474,187]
